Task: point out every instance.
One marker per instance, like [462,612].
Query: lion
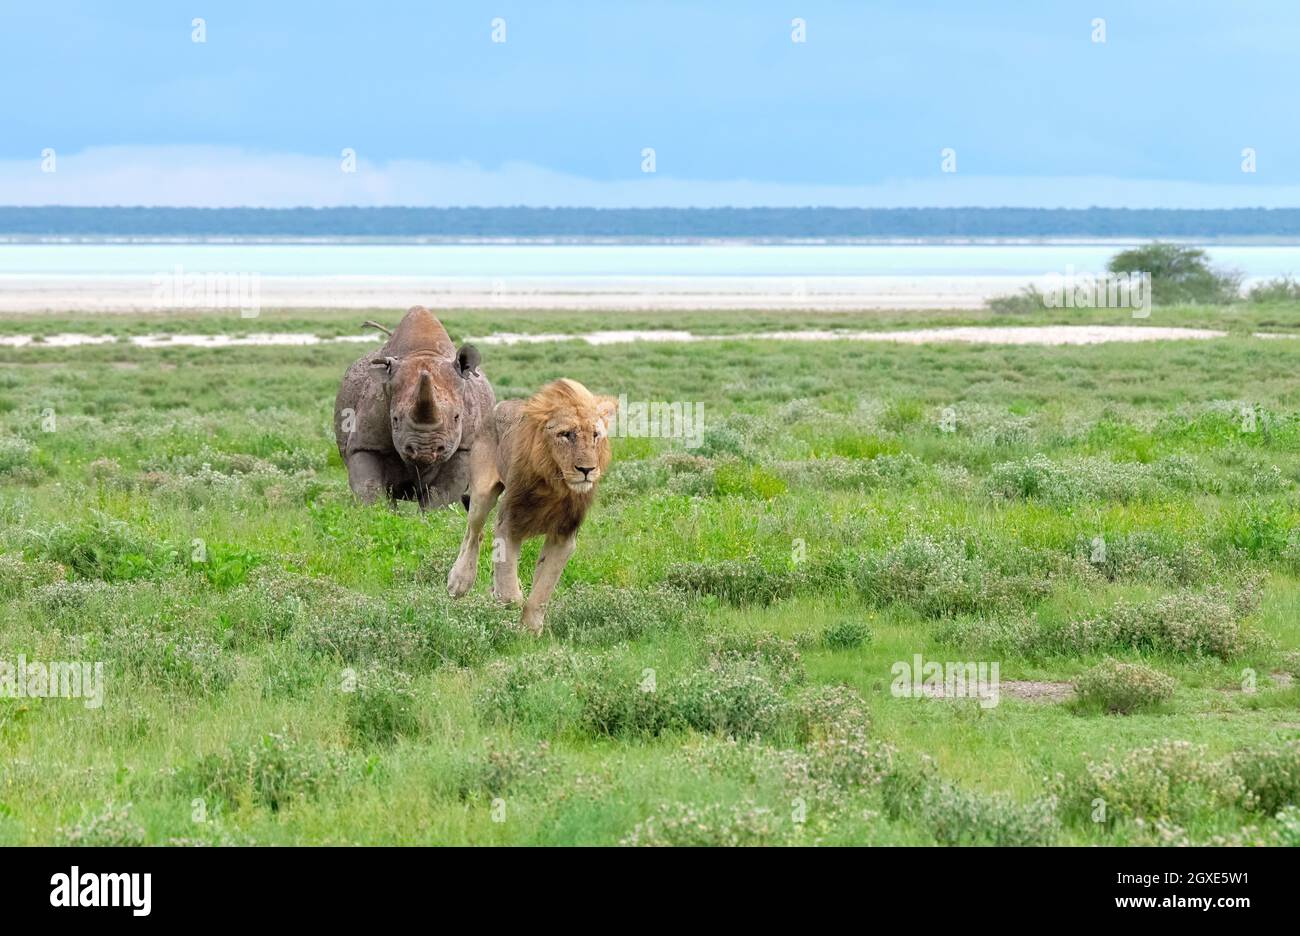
[546,455]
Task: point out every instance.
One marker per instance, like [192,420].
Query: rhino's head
[426,403]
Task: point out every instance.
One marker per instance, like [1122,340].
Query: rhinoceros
[405,416]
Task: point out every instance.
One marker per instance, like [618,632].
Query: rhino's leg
[550,566]
[485,488]
[505,563]
[367,476]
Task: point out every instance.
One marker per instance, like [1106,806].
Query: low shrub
[949,576]
[1173,780]
[1194,623]
[738,582]
[964,817]
[497,771]
[17,576]
[381,706]
[159,653]
[1124,687]
[1271,776]
[709,825]
[272,772]
[846,633]
[112,828]
[779,659]
[604,614]
[732,699]
[101,547]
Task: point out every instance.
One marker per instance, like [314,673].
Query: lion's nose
[585,471]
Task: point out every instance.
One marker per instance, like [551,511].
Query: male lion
[546,453]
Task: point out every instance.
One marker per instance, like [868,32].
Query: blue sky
[736,112]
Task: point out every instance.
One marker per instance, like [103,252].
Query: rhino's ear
[467,360]
[387,364]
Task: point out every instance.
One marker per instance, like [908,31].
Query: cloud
[209,176]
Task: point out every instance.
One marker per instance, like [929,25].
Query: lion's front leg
[461,578]
[505,563]
[550,566]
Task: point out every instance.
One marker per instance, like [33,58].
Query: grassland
[282,665]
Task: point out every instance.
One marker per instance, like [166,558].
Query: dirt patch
[1030,690]
[1022,690]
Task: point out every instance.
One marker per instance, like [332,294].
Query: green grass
[282,666]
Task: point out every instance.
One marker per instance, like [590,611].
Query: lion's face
[574,434]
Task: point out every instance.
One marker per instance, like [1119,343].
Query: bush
[710,825]
[356,629]
[1146,556]
[1178,274]
[1124,687]
[836,473]
[940,577]
[272,772]
[778,658]
[821,712]
[738,582]
[1171,780]
[963,817]
[1271,776]
[102,547]
[1280,289]
[1006,634]
[381,708]
[497,771]
[1026,302]
[112,828]
[848,633]
[1192,623]
[618,703]
[1073,481]
[603,614]
[732,699]
[158,653]
[18,577]
[464,632]
[17,457]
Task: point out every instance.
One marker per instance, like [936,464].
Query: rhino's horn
[425,408]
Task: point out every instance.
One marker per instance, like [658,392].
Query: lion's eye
[569,435]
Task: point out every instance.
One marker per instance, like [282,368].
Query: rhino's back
[361,396]
[419,331]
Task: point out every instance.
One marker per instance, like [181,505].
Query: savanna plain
[1113,525]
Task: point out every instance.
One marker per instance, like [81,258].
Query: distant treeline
[687,223]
